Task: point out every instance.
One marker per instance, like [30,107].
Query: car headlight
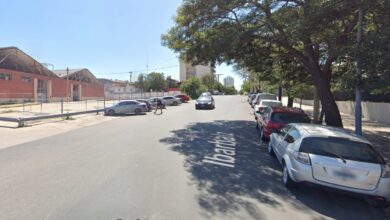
[210,103]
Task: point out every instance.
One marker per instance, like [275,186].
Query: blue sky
[108,37]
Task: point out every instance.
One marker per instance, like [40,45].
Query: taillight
[302,157]
[385,171]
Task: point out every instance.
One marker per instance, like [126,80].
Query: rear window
[268,96]
[272,104]
[341,148]
[286,118]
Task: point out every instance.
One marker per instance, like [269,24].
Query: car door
[279,141]
[294,134]
[121,108]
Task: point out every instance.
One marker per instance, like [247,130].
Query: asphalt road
[150,167]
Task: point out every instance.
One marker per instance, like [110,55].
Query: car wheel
[287,181]
[110,112]
[270,149]
[137,111]
[175,103]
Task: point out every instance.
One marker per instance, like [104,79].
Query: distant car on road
[171,100]
[215,92]
[205,102]
[183,98]
[146,102]
[275,118]
[332,158]
[126,107]
[205,94]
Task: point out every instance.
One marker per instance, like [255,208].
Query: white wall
[374,111]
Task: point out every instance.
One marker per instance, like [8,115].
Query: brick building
[22,78]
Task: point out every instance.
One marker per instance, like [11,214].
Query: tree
[245,87]
[229,90]
[193,87]
[315,33]
[156,81]
[141,82]
[209,81]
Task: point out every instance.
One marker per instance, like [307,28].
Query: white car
[268,103]
[171,100]
[332,158]
[261,96]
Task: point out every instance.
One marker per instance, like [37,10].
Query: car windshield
[341,148]
[286,118]
[267,96]
[204,98]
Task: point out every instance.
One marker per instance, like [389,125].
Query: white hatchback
[332,158]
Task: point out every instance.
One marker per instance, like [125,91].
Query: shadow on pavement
[256,177]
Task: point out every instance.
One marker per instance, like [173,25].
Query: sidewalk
[377,133]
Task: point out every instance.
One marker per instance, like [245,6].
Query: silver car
[261,96]
[171,100]
[126,107]
[332,158]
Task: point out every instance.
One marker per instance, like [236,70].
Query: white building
[187,71]
[228,81]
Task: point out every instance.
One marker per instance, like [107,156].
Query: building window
[5,76]
[26,79]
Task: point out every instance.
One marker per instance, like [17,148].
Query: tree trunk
[290,101]
[316,106]
[280,93]
[328,103]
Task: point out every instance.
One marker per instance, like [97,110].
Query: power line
[141,71]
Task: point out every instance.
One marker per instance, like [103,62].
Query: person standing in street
[159,105]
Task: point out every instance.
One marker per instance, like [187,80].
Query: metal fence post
[86,104]
[23,105]
[104,102]
[62,105]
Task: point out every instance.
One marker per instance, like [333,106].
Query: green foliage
[245,87]
[209,81]
[193,87]
[229,90]
[155,81]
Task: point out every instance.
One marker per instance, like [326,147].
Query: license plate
[344,175]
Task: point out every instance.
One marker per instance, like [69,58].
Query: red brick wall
[17,89]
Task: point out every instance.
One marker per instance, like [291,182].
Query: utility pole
[358,95]
[131,89]
[67,84]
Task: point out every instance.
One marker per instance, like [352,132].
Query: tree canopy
[316,34]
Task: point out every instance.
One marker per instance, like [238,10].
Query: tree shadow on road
[256,177]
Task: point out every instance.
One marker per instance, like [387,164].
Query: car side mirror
[289,139]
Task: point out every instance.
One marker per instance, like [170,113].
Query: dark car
[148,105]
[205,102]
[278,117]
[183,98]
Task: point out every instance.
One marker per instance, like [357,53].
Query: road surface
[158,167]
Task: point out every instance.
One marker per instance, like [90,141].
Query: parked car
[278,117]
[267,103]
[171,100]
[332,158]
[148,105]
[205,102]
[205,94]
[250,98]
[215,92]
[126,107]
[153,101]
[261,96]
[183,98]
